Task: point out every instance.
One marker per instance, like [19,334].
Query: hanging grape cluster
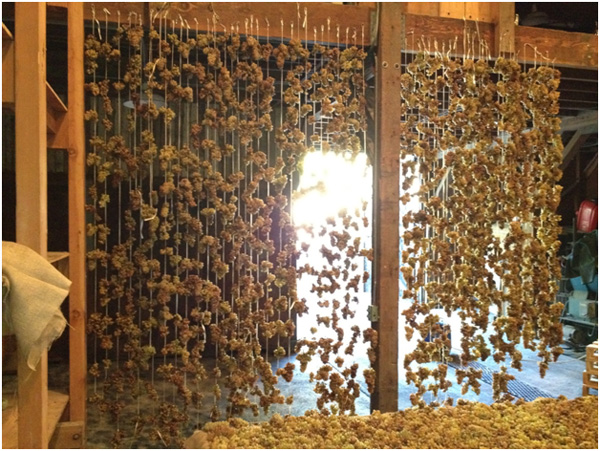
[196,142]
[480,157]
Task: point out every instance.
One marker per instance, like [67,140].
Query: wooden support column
[77,272]
[505,29]
[386,204]
[31,209]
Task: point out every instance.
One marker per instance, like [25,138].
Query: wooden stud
[30,125]
[505,29]
[31,208]
[76,151]
[386,205]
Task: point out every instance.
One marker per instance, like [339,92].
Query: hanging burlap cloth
[33,291]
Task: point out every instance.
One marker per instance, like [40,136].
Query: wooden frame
[42,122]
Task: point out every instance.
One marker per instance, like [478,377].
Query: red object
[587,216]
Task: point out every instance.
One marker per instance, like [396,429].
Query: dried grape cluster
[545,423]
[194,151]
[480,157]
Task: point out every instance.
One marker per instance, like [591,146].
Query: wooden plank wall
[31,214]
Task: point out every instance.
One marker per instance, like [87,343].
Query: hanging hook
[305,22]
[106,14]
[95,19]
[362,35]
[268,29]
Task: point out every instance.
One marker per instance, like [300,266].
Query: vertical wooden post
[386,204]
[505,29]
[77,272]
[31,209]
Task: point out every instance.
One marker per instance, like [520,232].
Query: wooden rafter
[574,144]
[587,122]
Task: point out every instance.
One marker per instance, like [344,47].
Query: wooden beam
[444,30]
[386,205]
[30,125]
[455,10]
[505,29]
[232,13]
[585,122]
[57,126]
[68,435]
[76,151]
[570,150]
[479,11]
[13,422]
[31,185]
[423,8]
[591,166]
[60,260]
[568,49]
[564,48]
